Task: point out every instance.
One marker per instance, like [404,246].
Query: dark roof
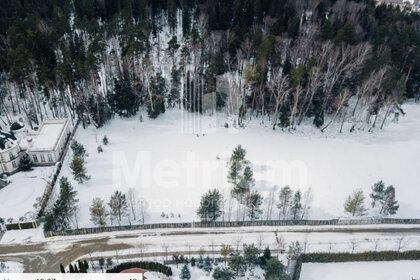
[16,126]
[4,137]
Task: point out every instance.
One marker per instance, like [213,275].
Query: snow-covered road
[45,255]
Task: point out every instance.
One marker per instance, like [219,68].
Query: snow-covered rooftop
[48,135]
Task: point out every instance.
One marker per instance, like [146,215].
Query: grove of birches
[324,62]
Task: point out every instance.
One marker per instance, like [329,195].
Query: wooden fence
[234,224]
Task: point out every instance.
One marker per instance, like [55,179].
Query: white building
[10,153]
[47,146]
[44,147]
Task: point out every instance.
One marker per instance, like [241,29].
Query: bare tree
[132,201]
[353,245]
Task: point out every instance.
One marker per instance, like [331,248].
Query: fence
[234,224]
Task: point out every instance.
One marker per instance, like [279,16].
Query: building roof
[16,126]
[6,137]
[48,135]
[134,270]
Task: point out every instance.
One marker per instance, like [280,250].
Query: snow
[11,267]
[173,160]
[23,236]
[389,270]
[48,136]
[17,198]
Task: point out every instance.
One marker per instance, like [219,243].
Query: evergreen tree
[156,103]
[105,140]
[59,218]
[78,149]
[355,204]
[98,212]
[296,207]
[384,198]
[78,169]
[285,199]
[254,203]
[118,205]
[274,270]
[210,206]
[207,265]
[122,100]
[185,273]
[251,254]
[62,270]
[265,257]
[223,273]
[25,163]
[238,265]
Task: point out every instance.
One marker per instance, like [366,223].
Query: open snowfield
[11,267]
[17,198]
[173,160]
[392,270]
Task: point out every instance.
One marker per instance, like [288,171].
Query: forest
[346,62]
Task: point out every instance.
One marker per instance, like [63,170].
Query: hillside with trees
[289,61]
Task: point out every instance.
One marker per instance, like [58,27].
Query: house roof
[134,270]
[16,126]
[48,135]
[6,137]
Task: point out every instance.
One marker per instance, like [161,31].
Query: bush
[25,163]
[100,150]
[105,140]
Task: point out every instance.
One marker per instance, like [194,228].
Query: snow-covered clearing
[11,267]
[173,160]
[392,270]
[17,198]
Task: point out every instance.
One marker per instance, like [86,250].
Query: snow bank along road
[45,255]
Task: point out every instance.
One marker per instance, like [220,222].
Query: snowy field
[173,160]
[17,198]
[392,270]
[11,267]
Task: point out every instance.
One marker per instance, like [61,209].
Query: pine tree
[78,169]
[98,212]
[296,207]
[238,265]
[118,205]
[285,199]
[274,270]
[355,204]
[210,206]
[122,100]
[251,254]
[71,268]
[223,273]
[105,140]
[384,198]
[156,102]
[185,273]
[207,266]
[62,270]
[254,203]
[59,218]
[78,149]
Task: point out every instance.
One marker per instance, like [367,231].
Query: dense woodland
[343,62]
